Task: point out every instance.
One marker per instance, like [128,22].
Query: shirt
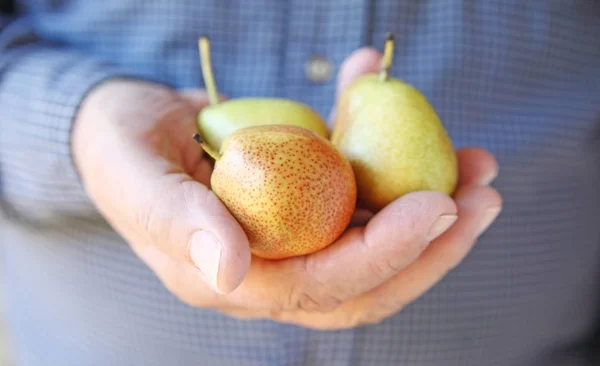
[521,79]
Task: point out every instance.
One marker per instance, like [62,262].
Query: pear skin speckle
[290,189]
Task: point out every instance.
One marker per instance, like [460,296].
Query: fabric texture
[521,79]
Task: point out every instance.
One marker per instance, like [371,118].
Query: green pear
[393,138]
[221,118]
[217,121]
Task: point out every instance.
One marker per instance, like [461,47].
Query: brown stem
[207,148]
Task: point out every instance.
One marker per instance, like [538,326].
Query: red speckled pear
[290,189]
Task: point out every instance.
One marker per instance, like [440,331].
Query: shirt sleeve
[42,85]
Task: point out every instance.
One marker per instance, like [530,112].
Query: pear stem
[386,61]
[207,148]
[207,71]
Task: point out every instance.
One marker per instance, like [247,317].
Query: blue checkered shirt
[520,78]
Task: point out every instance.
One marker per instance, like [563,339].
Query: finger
[477,206]
[370,255]
[188,222]
[476,166]
[362,61]
[182,218]
[131,163]
[399,233]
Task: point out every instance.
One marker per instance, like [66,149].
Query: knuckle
[307,302]
[383,268]
[275,306]
[143,218]
[407,237]
[151,214]
[301,299]
[191,196]
[162,219]
[317,296]
[406,228]
[328,302]
[291,302]
[409,214]
[156,226]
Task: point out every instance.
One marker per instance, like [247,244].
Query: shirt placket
[320,35]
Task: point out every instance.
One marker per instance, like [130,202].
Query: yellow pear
[290,189]
[221,118]
[393,138]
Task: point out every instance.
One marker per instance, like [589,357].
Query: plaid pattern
[521,79]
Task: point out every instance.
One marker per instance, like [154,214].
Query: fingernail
[205,252]
[489,178]
[488,216]
[440,225]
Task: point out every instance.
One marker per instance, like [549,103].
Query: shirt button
[318,69]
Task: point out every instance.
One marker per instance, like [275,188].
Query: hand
[378,269]
[384,263]
[132,144]
[133,147]
[477,206]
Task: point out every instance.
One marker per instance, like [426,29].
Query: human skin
[133,149]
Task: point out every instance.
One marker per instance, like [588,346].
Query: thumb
[212,239]
[185,220]
[176,214]
[124,141]
[182,218]
[362,61]
[191,224]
